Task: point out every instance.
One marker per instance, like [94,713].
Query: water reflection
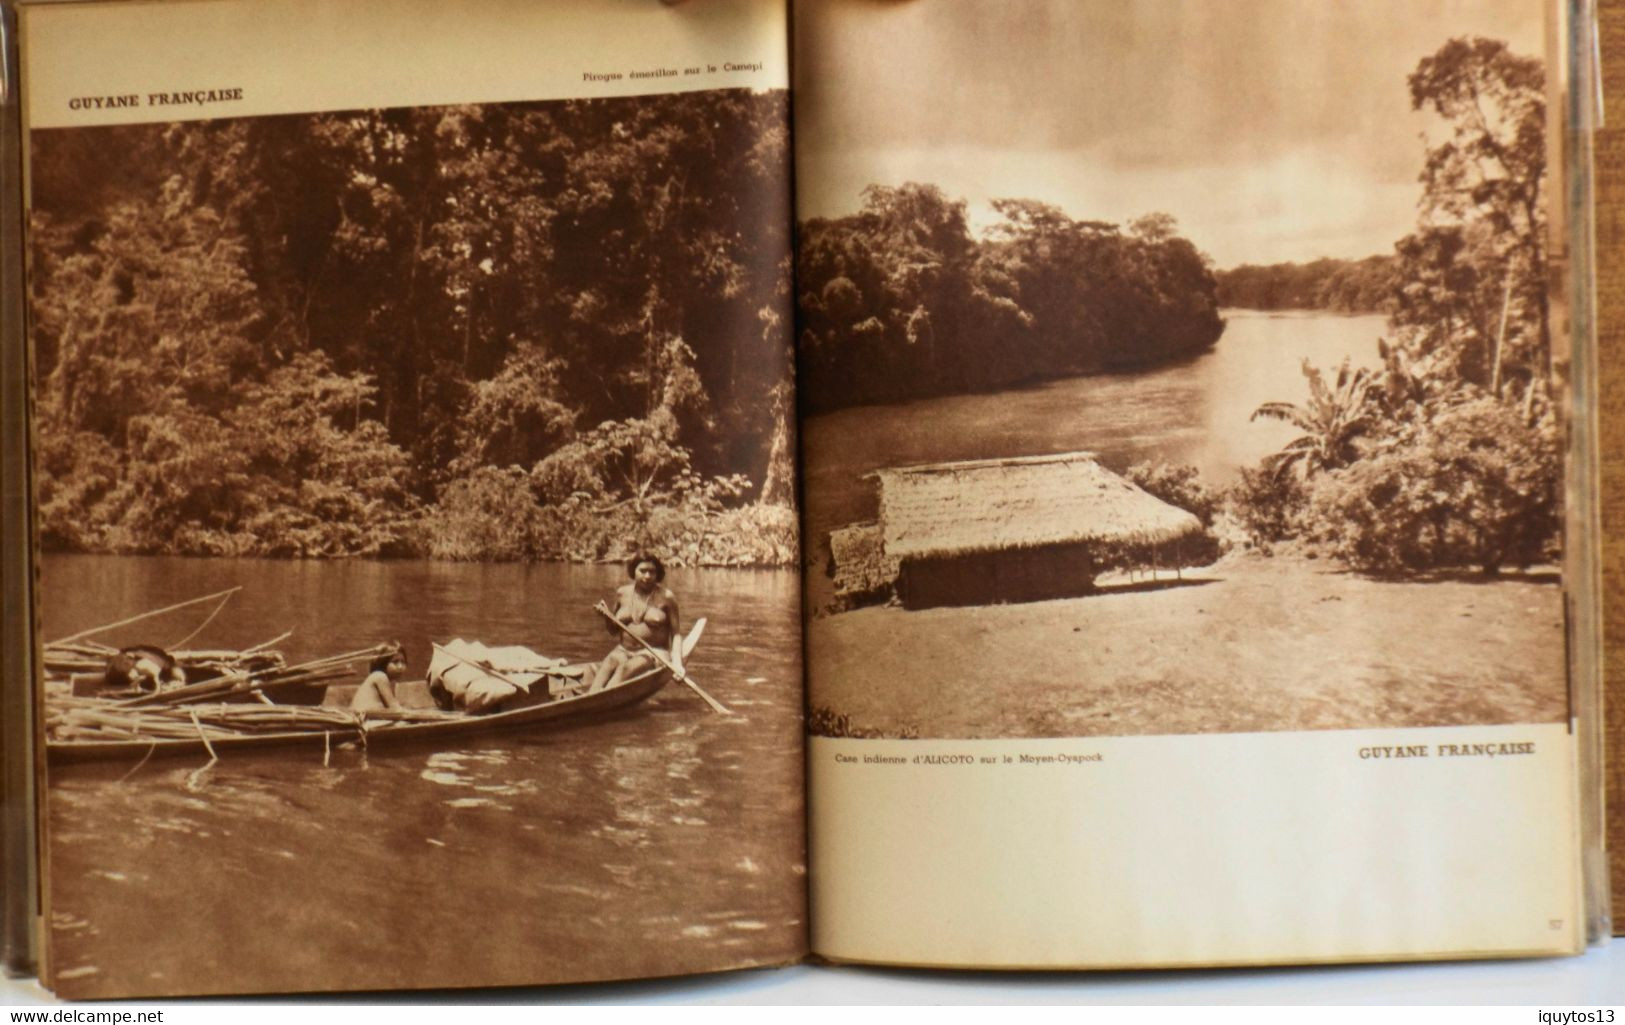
[1196,412]
[577,853]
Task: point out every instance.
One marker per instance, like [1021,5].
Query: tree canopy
[900,300]
[317,334]
[1340,286]
[1473,275]
[1451,454]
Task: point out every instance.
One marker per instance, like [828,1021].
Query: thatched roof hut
[992,530]
[988,505]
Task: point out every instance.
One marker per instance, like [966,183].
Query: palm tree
[1333,419]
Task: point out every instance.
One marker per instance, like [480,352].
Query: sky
[1271,129]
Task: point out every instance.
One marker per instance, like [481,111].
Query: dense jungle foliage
[521,331]
[901,301]
[1450,453]
[1339,286]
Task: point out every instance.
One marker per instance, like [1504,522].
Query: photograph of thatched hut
[986,531]
[1327,340]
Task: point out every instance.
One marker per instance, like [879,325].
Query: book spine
[18,749]
[1574,253]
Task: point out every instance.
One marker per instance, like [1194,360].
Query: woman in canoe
[647,611]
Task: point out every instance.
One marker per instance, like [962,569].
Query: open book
[497,525]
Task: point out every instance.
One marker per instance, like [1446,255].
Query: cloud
[1113,105]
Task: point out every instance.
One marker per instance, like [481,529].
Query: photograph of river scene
[419,589]
[1177,368]
[662,841]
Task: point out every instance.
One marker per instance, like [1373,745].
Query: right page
[1184,402]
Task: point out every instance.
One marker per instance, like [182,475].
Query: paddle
[692,639]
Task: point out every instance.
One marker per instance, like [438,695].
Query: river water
[663,841]
[660,841]
[1194,412]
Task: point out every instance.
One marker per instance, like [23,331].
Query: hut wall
[862,572]
[989,578]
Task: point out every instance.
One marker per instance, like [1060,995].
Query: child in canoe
[378,689]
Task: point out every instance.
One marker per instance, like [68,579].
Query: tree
[516,416]
[1490,170]
[319,478]
[158,312]
[1478,485]
[1431,462]
[1334,419]
[894,303]
[1347,286]
[1448,301]
[431,297]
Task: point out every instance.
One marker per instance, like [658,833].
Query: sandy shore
[1249,644]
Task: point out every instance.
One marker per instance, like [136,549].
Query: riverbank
[752,536]
[1250,644]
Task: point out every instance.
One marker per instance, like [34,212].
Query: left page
[415,492]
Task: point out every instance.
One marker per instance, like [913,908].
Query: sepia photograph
[416,490]
[1177,368]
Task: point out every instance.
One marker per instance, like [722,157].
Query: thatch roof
[984,505]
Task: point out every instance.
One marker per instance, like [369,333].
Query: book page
[1185,483]
[416,492]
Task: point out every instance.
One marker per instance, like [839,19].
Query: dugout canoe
[373,731]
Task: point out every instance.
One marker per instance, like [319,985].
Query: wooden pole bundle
[90,649]
[316,672]
[81,721]
[212,721]
[92,719]
[332,661]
